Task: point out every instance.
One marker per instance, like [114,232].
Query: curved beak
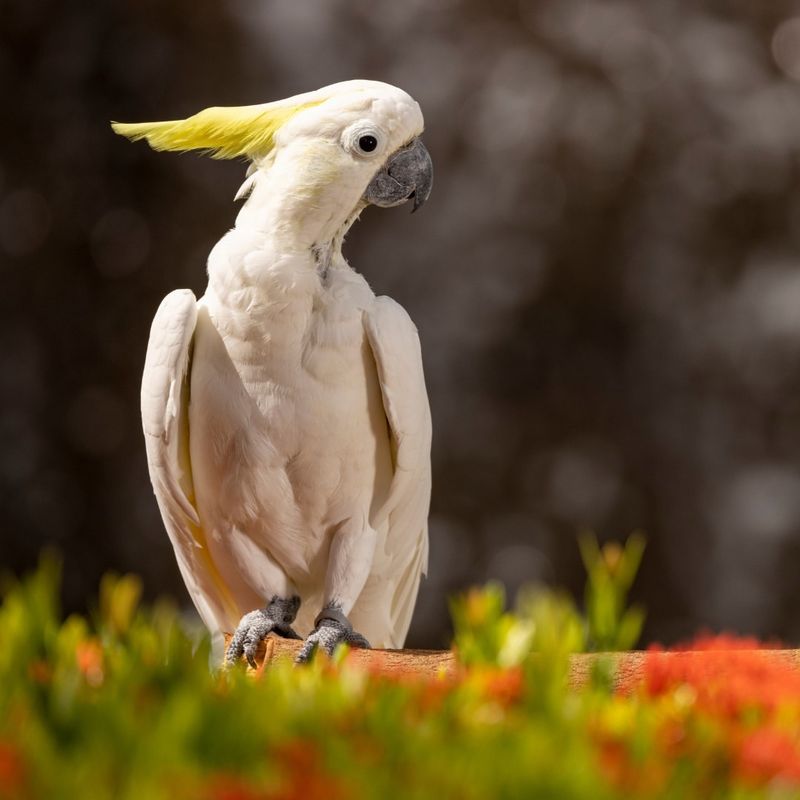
[407,173]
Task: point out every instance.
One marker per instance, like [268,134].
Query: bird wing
[395,345]
[165,419]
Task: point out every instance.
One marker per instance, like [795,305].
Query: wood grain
[628,667]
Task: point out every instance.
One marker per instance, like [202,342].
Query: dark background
[606,278]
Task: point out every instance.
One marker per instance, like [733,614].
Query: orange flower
[223,786]
[305,777]
[614,760]
[505,685]
[766,754]
[671,737]
[89,655]
[753,697]
[645,779]
[612,554]
[429,691]
[433,693]
[12,770]
[729,676]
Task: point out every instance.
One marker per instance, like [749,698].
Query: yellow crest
[223,132]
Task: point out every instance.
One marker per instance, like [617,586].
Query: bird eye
[367,143]
[363,139]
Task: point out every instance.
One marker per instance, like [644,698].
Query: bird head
[317,159]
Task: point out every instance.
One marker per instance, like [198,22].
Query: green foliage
[485,633]
[612,625]
[124,706]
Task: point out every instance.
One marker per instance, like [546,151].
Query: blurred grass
[123,705]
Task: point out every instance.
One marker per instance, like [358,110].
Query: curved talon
[357,640]
[328,635]
[254,627]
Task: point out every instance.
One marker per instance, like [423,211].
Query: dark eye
[367,143]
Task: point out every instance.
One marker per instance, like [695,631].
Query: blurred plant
[611,569]
[485,633]
[538,636]
[125,707]
[119,599]
[548,623]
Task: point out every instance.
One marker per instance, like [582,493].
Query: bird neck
[294,217]
[279,245]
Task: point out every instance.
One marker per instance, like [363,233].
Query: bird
[286,419]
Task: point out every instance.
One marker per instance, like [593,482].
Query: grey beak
[408,173]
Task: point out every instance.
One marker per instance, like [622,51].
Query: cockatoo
[285,413]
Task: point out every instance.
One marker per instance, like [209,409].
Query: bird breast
[288,431]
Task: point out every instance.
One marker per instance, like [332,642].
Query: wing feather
[165,419]
[395,345]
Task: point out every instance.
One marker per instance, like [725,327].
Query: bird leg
[331,628]
[349,565]
[276,617]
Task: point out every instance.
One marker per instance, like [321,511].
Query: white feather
[395,345]
[302,462]
[164,402]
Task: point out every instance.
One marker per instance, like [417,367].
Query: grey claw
[253,638]
[239,644]
[306,651]
[328,635]
[255,626]
[357,640]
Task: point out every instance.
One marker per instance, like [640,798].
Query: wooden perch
[628,667]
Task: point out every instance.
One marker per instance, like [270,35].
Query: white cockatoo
[285,413]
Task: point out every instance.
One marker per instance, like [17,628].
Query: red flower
[505,685]
[12,771]
[223,786]
[752,697]
[305,776]
[766,754]
[89,655]
[729,676]
[637,778]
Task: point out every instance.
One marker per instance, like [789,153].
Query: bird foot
[331,628]
[276,617]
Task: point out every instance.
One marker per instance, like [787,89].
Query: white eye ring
[365,141]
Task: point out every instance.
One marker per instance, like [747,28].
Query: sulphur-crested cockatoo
[285,413]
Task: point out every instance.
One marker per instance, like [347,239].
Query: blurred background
[606,278]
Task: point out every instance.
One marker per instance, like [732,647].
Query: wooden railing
[628,667]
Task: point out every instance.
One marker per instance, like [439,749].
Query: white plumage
[285,413]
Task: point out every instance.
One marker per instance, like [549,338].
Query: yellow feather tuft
[223,132]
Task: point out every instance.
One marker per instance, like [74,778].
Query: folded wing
[395,346]
[165,418]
